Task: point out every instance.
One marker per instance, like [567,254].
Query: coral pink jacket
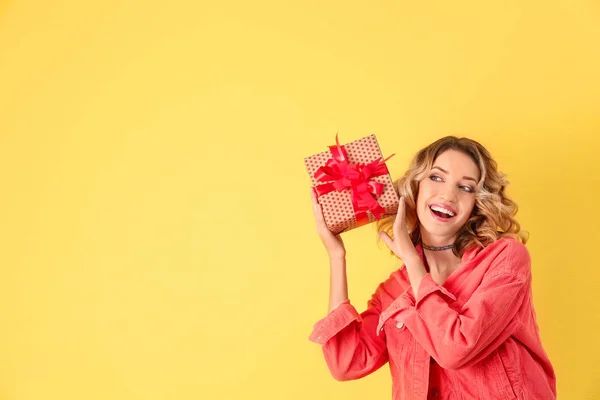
[473,337]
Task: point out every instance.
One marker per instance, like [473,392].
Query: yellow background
[156,237]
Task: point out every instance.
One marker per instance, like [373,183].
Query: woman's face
[446,197]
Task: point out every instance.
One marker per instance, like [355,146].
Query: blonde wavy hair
[493,215]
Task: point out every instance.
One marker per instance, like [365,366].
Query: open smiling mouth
[441,213]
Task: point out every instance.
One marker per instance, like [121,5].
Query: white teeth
[443,210]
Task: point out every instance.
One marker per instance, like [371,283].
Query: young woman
[456,321]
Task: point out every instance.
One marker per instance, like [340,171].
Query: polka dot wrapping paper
[337,206]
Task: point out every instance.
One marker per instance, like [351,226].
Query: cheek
[425,192]
[422,199]
[468,207]
[419,211]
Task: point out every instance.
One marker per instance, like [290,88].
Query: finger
[317,208]
[401,208]
[313,197]
[387,239]
[399,215]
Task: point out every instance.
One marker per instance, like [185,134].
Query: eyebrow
[464,177]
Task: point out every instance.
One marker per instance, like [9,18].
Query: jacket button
[434,393]
[399,325]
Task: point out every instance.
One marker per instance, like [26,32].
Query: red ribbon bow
[341,175]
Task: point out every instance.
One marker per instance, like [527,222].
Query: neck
[440,261]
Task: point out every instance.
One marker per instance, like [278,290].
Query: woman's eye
[468,189]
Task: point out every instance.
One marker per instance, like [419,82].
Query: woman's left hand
[401,245]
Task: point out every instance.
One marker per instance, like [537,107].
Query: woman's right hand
[333,243]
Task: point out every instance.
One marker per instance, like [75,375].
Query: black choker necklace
[434,248]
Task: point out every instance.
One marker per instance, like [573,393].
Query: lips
[444,206]
[442,212]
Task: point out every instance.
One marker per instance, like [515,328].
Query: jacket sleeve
[351,347]
[460,338]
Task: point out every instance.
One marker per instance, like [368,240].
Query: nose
[450,195]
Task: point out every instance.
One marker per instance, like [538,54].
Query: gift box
[352,184]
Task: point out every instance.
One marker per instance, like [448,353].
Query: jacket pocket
[399,340]
[504,385]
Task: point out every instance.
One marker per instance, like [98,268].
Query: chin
[435,230]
